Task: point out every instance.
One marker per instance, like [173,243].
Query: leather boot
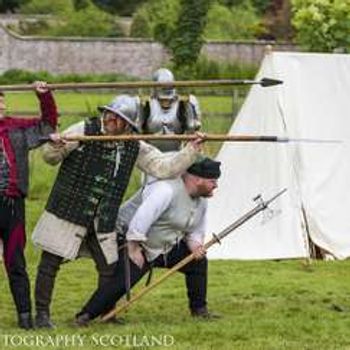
[82,320]
[25,320]
[42,320]
[204,314]
[116,320]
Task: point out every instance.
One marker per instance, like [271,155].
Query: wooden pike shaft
[215,239]
[181,137]
[144,291]
[144,84]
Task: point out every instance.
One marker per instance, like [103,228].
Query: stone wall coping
[74,38]
[135,40]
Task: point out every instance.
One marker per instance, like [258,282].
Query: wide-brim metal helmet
[164,75]
[126,107]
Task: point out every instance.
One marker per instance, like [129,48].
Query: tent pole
[309,245]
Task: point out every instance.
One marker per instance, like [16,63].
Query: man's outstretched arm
[47,124]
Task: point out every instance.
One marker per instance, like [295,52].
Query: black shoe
[204,314]
[42,320]
[25,320]
[82,320]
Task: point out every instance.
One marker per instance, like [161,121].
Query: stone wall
[249,51]
[133,57]
[129,56]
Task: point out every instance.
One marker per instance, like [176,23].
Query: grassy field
[265,305]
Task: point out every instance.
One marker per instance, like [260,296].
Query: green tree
[88,21]
[72,18]
[188,39]
[277,21]
[11,5]
[236,23]
[121,7]
[80,4]
[47,7]
[260,5]
[141,26]
[156,19]
[322,25]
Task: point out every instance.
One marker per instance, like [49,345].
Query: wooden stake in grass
[216,239]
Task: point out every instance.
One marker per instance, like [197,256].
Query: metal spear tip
[265,82]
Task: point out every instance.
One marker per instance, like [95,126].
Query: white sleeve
[165,165]
[76,129]
[198,233]
[156,199]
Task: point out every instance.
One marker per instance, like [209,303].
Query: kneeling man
[168,223]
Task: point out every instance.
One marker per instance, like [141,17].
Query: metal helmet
[126,107]
[164,75]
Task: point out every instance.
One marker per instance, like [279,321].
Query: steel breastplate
[164,122]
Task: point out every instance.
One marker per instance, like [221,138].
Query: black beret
[205,167]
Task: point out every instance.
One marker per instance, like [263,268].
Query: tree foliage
[72,18]
[88,21]
[121,7]
[277,21]
[322,25]
[259,5]
[47,7]
[52,7]
[11,5]
[240,22]
[80,4]
[188,39]
[156,19]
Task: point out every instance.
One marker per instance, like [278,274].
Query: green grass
[85,102]
[265,305]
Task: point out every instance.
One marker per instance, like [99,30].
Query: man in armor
[165,228]
[89,188]
[166,112]
[17,137]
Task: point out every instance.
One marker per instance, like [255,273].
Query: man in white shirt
[168,223]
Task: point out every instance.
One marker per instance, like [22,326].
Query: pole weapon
[262,205]
[190,137]
[264,82]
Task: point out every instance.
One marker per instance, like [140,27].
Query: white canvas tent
[313,102]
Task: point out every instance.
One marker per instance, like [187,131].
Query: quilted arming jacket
[17,137]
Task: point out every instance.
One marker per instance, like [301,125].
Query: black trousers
[12,233]
[50,264]
[196,272]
